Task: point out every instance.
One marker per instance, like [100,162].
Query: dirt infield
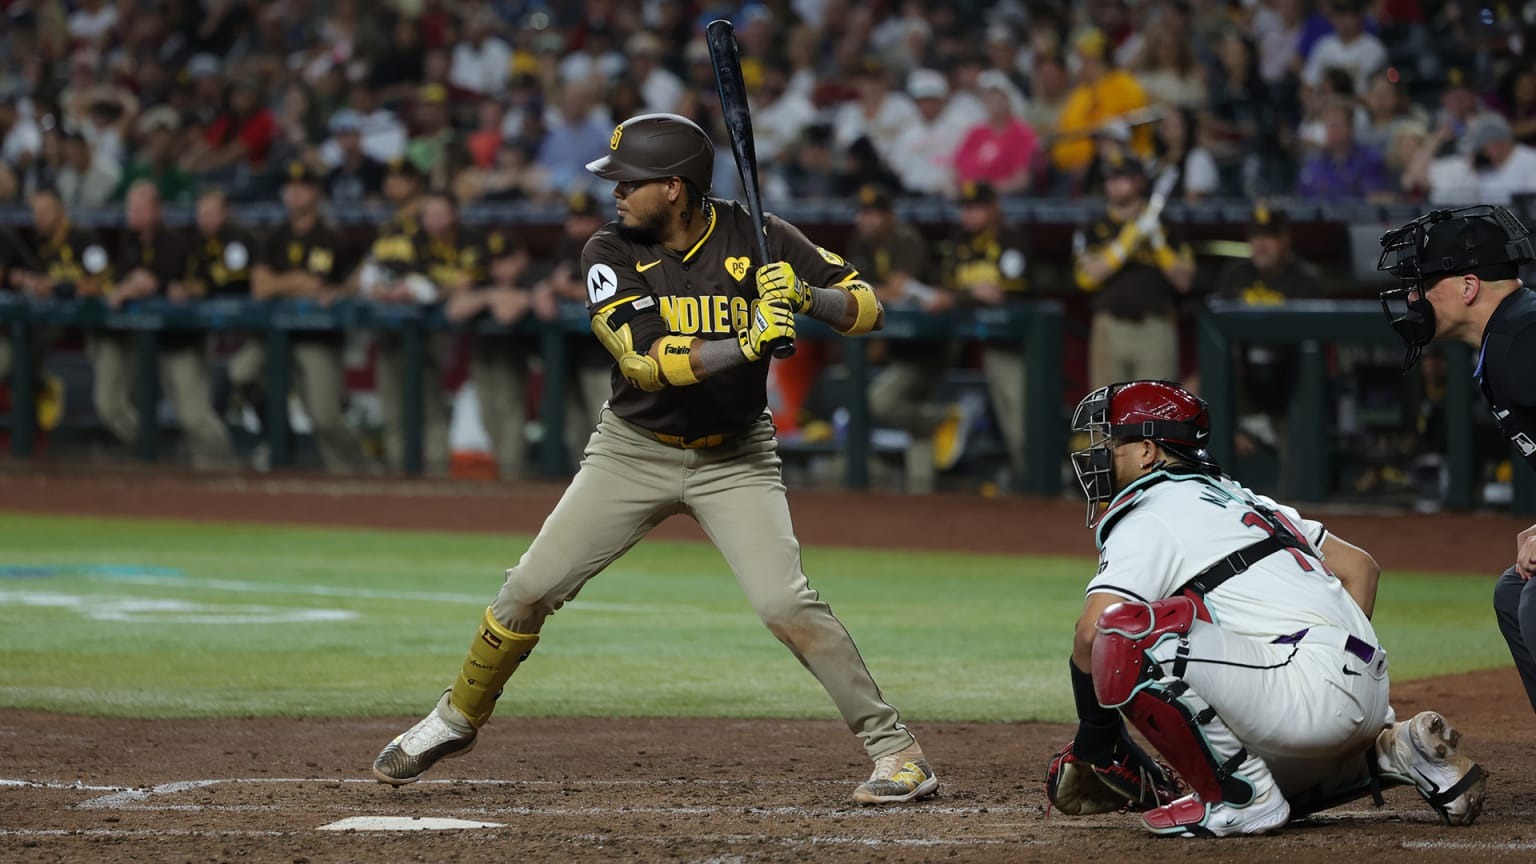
[78,789]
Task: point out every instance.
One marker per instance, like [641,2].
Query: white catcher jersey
[1164,529]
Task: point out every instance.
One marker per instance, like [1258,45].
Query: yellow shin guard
[493,657]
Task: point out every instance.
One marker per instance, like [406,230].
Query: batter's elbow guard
[870,315]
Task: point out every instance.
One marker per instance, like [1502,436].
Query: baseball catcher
[1215,627]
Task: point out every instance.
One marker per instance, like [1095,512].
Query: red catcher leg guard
[1171,730]
[1126,631]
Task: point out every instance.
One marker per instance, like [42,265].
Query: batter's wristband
[676,353]
[868,308]
[1165,257]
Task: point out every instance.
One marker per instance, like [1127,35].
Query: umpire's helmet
[1484,240]
[1161,411]
[651,146]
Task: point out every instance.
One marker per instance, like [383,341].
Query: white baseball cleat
[419,748]
[1191,817]
[1423,751]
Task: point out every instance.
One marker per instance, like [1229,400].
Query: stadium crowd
[422,106]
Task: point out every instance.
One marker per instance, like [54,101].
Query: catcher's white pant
[1311,710]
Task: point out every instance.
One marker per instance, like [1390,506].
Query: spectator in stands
[433,148]
[1459,103]
[660,89]
[1504,168]
[1276,29]
[1343,169]
[1128,259]
[156,158]
[1271,276]
[20,138]
[924,156]
[1048,88]
[305,259]
[1001,151]
[1387,109]
[400,67]
[1102,93]
[482,61]
[1166,68]
[356,177]
[384,135]
[588,383]
[986,264]
[894,258]
[1517,101]
[237,142]
[877,114]
[813,170]
[1177,145]
[1244,124]
[484,276]
[580,129]
[1350,46]
[780,113]
[93,23]
[84,179]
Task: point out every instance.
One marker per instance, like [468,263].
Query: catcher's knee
[1127,631]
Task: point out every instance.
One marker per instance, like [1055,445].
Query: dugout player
[678,297]
[151,262]
[304,259]
[1460,271]
[1128,259]
[986,263]
[1235,635]
[481,274]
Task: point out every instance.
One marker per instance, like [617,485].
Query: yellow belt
[690,443]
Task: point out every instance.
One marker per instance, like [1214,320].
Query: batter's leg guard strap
[1127,631]
[1197,743]
[493,656]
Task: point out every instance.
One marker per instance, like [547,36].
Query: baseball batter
[678,298]
[1215,627]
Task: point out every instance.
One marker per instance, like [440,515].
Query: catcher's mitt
[1131,781]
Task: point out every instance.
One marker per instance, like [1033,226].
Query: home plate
[403,823]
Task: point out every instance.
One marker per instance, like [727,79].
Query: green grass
[150,618]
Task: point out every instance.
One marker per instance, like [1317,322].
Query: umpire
[1460,271]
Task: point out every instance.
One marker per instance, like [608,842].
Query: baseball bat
[726,58]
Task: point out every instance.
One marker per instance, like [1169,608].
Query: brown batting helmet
[658,145]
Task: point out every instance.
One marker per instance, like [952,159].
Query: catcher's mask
[1161,411]
[1485,240]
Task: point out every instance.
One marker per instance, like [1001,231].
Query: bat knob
[782,348]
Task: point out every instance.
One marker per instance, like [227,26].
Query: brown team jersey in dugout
[220,265]
[706,293]
[1138,289]
[72,256]
[464,253]
[988,258]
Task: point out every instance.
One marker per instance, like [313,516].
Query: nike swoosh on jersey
[641,268]
[1348,671]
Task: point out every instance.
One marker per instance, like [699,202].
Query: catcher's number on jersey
[602,283]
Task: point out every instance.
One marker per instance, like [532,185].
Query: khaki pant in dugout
[319,379]
[1004,370]
[901,396]
[629,483]
[389,380]
[184,377]
[587,389]
[1123,350]
[499,367]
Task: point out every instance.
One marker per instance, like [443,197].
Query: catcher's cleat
[1423,750]
[1191,817]
[901,776]
[419,748]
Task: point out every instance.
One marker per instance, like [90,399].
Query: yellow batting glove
[768,323]
[777,283]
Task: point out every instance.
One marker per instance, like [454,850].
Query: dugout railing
[1310,326]
[1035,326]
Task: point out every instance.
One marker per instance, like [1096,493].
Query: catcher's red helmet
[1178,420]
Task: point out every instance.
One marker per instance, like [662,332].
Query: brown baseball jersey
[220,264]
[704,292]
[71,256]
[318,251]
[991,257]
[1138,289]
[464,252]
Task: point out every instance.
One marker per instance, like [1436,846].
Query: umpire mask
[1485,240]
